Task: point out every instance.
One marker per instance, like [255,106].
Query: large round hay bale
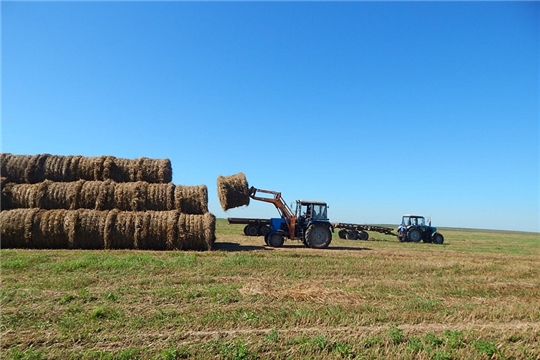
[161,229]
[106,195]
[153,170]
[191,199]
[27,195]
[89,194]
[233,191]
[119,230]
[60,195]
[51,229]
[16,227]
[54,167]
[15,168]
[194,232]
[159,197]
[4,159]
[129,196]
[5,190]
[89,229]
[119,170]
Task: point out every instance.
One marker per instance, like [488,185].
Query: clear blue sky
[378,108]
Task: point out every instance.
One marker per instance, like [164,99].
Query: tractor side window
[421,222]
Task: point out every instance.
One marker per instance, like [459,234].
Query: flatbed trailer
[254,227]
[359,231]
[260,227]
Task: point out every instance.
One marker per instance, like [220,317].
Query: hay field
[475,297]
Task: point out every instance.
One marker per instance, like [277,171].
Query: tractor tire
[363,235]
[437,238]
[263,230]
[252,230]
[342,233]
[414,235]
[266,239]
[318,236]
[352,235]
[275,239]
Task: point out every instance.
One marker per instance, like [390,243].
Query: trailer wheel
[263,230]
[275,239]
[252,230]
[437,238]
[414,235]
[363,235]
[318,236]
[342,233]
[352,235]
[245,230]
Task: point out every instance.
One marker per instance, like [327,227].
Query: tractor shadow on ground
[232,247]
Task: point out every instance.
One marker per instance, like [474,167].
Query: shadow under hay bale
[233,191]
[191,199]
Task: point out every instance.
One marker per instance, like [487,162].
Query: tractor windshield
[413,221]
[319,212]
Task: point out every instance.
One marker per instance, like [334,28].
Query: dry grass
[356,299]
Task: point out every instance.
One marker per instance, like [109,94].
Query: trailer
[254,227]
[360,231]
[261,227]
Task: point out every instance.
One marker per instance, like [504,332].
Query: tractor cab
[314,210]
[413,220]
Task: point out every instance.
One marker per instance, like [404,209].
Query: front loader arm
[284,210]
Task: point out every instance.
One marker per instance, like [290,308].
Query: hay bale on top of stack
[100,202]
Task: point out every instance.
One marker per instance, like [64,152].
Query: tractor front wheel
[275,239]
[318,236]
[437,238]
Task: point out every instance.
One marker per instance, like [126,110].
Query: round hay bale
[233,191]
[53,168]
[88,194]
[89,229]
[51,229]
[59,195]
[161,229]
[16,227]
[153,170]
[85,170]
[119,230]
[70,168]
[4,159]
[142,229]
[159,197]
[5,190]
[105,199]
[191,199]
[129,196]
[15,169]
[195,232]
[120,170]
[27,195]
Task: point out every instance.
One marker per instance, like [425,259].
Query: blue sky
[378,108]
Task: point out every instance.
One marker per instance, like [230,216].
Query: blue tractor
[413,228]
[309,223]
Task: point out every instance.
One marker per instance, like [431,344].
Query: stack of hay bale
[104,202]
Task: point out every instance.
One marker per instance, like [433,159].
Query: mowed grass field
[475,297]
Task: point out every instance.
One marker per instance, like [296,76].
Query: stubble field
[477,296]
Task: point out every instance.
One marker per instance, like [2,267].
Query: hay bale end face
[233,191]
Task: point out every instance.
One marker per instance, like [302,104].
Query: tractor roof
[413,216]
[316,202]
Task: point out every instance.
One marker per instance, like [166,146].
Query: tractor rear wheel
[352,235]
[275,239]
[414,235]
[437,238]
[252,230]
[318,236]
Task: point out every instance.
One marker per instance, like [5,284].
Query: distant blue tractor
[413,228]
